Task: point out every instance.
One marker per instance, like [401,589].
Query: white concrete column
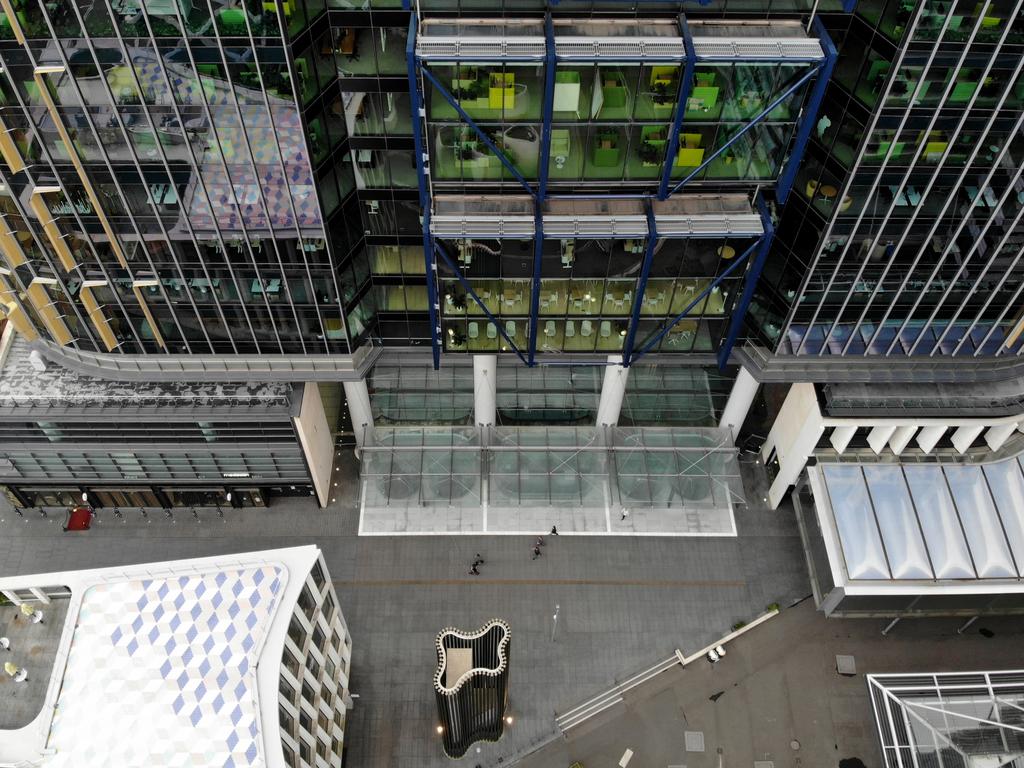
[901,438]
[485,389]
[841,437]
[964,437]
[357,398]
[612,391]
[997,435]
[879,437]
[316,437]
[929,436]
[744,390]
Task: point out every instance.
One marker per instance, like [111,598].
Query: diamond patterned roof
[162,673]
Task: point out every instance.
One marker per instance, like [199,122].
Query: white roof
[159,665]
[937,523]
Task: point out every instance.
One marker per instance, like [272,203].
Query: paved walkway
[625,602]
[776,696]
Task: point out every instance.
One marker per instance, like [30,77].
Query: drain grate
[845,664]
[694,741]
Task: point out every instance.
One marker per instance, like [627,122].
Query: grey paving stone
[625,602]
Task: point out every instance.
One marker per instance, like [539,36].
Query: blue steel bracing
[647,347]
[641,284]
[481,134]
[742,131]
[685,86]
[809,115]
[739,311]
[542,183]
[538,258]
[547,108]
[424,197]
[447,259]
[849,6]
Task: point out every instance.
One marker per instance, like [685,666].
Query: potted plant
[649,154]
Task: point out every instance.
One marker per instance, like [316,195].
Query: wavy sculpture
[471,685]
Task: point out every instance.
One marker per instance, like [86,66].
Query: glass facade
[174,178]
[903,236]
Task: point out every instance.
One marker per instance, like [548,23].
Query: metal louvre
[563,227]
[753,49]
[445,48]
[482,226]
[614,49]
[587,226]
[618,48]
[710,226]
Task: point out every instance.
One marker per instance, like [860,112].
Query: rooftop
[34,648]
[939,526]
[157,664]
[24,389]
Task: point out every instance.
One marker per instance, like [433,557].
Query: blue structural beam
[424,193]
[849,6]
[739,311]
[685,87]
[450,263]
[538,258]
[641,284]
[653,342]
[742,131]
[547,110]
[810,114]
[481,134]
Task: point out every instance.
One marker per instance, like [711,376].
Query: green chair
[232,21]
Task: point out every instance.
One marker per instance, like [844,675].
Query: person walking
[540,541]
[625,514]
[536,551]
[554,530]
[479,560]
[474,571]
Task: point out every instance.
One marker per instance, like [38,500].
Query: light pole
[554,622]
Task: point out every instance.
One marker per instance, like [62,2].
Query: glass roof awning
[951,719]
[673,481]
[615,41]
[511,217]
[934,526]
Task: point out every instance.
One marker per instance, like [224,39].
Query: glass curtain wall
[611,122]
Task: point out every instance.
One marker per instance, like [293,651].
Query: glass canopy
[953,720]
[501,480]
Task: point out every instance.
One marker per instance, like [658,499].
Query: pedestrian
[540,541]
[474,571]
[536,551]
[625,514]
[479,560]
[554,530]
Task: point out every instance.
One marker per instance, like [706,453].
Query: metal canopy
[615,41]
[510,217]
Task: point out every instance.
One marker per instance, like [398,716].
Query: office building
[68,438]
[235,660]
[595,215]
